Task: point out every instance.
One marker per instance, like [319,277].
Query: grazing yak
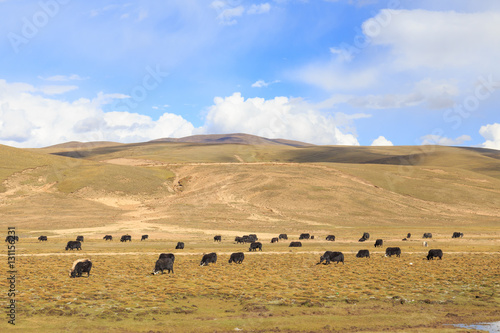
[304,236]
[108,237]
[144,237]
[275,240]
[330,238]
[79,238]
[427,235]
[255,245]
[125,238]
[163,264]
[237,257]
[218,238]
[457,235]
[74,245]
[330,256]
[295,244]
[179,246]
[283,236]
[379,243]
[391,251]
[437,253]
[42,238]
[167,255]
[246,239]
[363,254]
[208,258]
[250,238]
[366,235]
[11,239]
[408,236]
[80,266]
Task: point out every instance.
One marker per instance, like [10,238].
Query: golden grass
[70,175]
[286,290]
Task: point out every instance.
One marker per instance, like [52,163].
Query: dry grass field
[277,288]
[189,192]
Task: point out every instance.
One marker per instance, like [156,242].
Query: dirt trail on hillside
[152,163]
[21,185]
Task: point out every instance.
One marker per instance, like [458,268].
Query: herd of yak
[166,260]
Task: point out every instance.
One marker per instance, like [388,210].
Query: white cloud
[259,9]
[160,107]
[71,77]
[436,95]
[262,83]
[410,58]
[227,14]
[280,117]
[359,3]
[14,125]
[437,40]
[381,141]
[31,120]
[56,90]
[491,133]
[342,53]
[218,4]
[433,139]
[335,76]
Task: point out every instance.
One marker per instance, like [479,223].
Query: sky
[328,72]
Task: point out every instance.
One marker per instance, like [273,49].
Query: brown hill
[194,188]
[82,145]
[237,138]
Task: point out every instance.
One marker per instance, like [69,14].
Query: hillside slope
[236,138]
[198,187]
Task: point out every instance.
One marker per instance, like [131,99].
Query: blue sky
[349,72]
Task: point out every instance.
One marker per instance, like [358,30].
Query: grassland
[190,192]
[275,288]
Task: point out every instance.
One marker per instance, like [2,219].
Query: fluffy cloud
[31,120]
[259,9]
[262,83]
[443,52]
[435,95]
[228,12]
[437,40]
[381,141]
[56,90]
[28,119]
[432,139]
[71,77]
[280,117]
[336,76]
[491,133]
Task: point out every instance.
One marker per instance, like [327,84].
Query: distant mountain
[236,138]
[83,145]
